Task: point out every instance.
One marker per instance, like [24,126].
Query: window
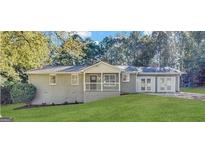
[142,84]
[52,79]
[165,83]
[93,81]
[149,84]
[109,79]
[125,77]
[169,86]
[74,79]
[162,84]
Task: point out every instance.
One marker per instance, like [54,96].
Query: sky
[99,35]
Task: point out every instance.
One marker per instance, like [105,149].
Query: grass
[200,90]
[133,107]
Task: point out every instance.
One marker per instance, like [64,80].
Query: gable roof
[101,62]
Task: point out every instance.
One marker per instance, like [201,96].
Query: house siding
[62,92]
[129,87]
[92,96]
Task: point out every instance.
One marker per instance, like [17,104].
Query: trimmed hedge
[23,92]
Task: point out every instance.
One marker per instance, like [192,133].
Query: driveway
[184,95]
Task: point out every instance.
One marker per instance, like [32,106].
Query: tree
[199,57]
[192,50]
[145,51]
[92,52]
[161,49]
[114,50]
[67,48]
[22,51]
[134,47]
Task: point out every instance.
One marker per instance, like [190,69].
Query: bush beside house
[23,92]
[5,95]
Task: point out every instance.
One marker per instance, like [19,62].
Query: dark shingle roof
[157,69]
[129,68]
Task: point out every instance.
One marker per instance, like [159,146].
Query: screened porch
[101,81]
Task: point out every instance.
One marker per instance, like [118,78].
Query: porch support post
[101,79]
[119,80]
[84,81]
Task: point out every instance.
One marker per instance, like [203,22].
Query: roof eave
[53,72]
[159,73]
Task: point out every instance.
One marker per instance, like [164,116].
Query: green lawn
[133,107]
[200,90]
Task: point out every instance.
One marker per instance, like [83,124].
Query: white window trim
[128,79]
[166,85]
[109,84]
[52,84]
[75,84]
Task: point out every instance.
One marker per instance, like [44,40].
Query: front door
[93,81]
[146,84]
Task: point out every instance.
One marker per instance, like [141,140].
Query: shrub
[23,92]
[5,95]
[65,103]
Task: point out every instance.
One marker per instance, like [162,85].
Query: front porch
[106,82]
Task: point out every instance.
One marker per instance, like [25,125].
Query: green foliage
[5,97]
[22,51]
[193,46]
[145,51]
[23,92]
[137,49]
[92,52]
[114,50]
[67,48]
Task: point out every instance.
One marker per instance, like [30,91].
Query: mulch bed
[44,105]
